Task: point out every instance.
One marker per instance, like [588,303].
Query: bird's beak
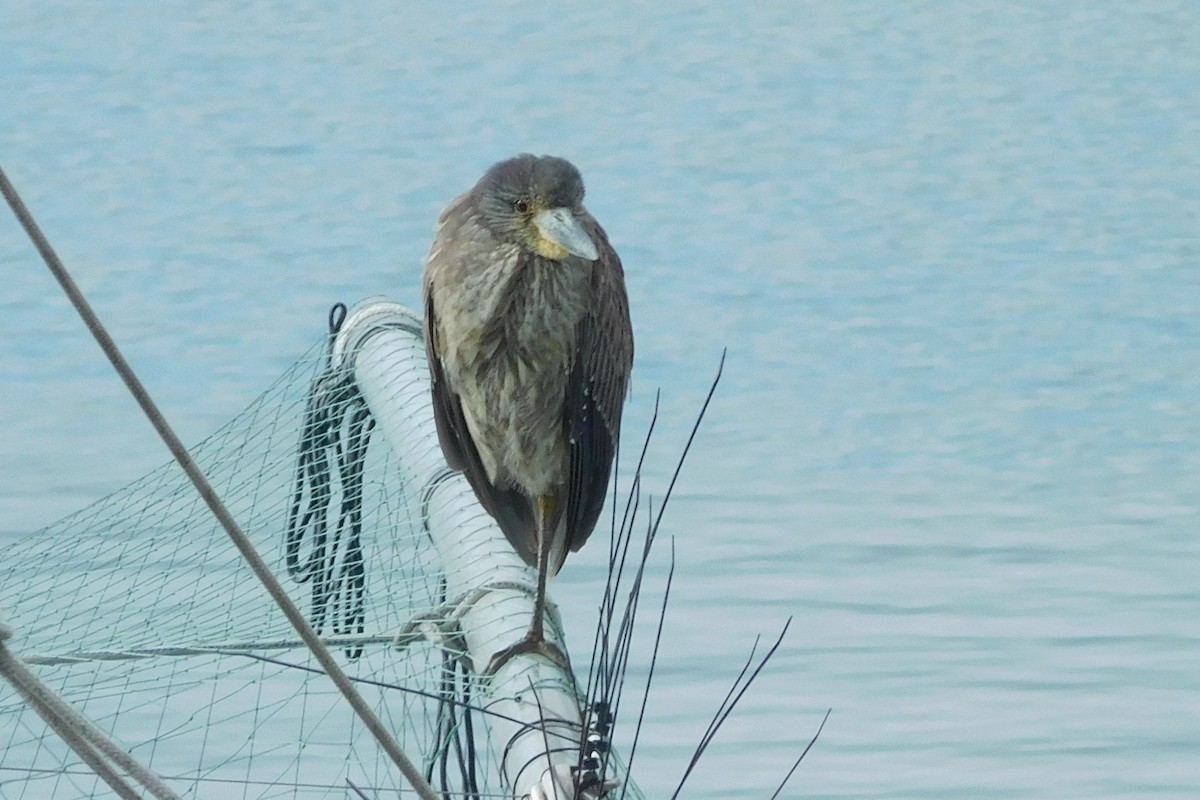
[561,227]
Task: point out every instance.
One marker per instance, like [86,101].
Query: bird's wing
[447,409]
[596,391]
[511,510]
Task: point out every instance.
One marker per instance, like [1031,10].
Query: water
[952,253]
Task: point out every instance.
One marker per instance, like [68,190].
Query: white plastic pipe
[382,343]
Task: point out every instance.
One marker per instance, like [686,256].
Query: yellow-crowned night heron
[530,348]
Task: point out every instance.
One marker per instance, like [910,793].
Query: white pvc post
[382,343]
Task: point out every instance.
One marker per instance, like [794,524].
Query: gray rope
[243,544]
[174,651]
[90,743]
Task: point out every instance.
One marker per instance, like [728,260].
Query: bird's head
[536,202]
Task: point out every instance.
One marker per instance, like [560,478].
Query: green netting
[140,612]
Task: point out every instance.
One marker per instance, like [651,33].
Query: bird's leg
[535,639]
[536,627]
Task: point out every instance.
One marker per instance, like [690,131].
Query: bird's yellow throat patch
[548,249]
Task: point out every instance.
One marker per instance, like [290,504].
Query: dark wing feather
[511,509]
[596,391]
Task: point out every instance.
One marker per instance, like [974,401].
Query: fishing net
[140,612]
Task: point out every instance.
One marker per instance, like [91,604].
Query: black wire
[662,617]
[352,582]
[450,733]
[334,438]
[444,706]
[725,710]
[337,316]
[803,753]
[456,737]
[610,654]
[469,727]
[312,480]
[444,742]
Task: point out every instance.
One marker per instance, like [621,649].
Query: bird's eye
[522,206]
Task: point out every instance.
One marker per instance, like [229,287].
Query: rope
[357,641]
[89,742]
[239,538]
[333,440]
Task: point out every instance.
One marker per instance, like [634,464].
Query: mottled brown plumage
[530,349]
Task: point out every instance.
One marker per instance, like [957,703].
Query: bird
[530,349]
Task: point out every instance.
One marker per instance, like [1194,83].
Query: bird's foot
[532,643]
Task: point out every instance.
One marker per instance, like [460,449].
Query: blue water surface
[953,250]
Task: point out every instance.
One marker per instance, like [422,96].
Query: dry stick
[243,544]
